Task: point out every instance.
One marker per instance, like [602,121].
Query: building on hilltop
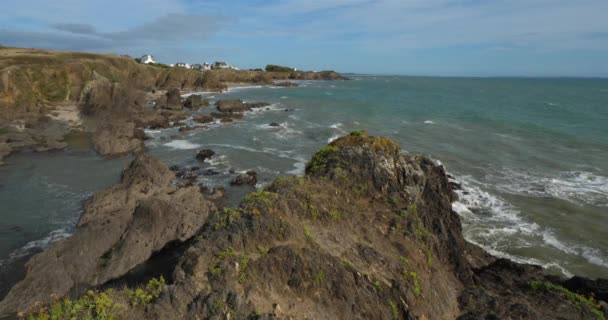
[183,65]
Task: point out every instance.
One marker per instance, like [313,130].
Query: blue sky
[417,37]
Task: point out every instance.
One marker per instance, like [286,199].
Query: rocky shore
[45,95]
[367,233]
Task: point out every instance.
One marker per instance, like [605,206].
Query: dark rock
[587,287]
[203,119]
[274,124]
[247,178]
[195,102]
[213,193]
[238,105]
[204,154]
[286,84]
[211,172]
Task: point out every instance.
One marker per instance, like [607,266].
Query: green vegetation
[216,267]
[275,68]
[91,306]
[577,299]
[335,214]
[243,265]
[320,278]
[405,262]
[319,160]
[143,296]
[414,276]
[261,197]
[378,285]
[393,308]
[5,131]
[225,218]
[346,263]
[307,233]
[358,133]
[412,210]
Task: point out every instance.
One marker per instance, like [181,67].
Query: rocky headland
[45,95]
[367,233]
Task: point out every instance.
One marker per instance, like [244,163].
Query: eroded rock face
[118,138]
[5,150]
[119,229]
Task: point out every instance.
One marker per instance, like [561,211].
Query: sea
[531,156]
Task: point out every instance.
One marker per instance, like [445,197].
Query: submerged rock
[204,154]
[274,124]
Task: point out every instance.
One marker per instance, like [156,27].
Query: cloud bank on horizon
[424,37]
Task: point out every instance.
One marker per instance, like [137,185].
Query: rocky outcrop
[119,229]
[204,154]
[238,105]
[120,138]
[286,84]
[195,102]
[248,178]
[367,233]
[172,100]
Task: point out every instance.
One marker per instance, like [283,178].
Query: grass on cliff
[319,160]
[98,305]
[579,300]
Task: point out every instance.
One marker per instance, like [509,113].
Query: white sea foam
[334,137]
[574,186]
[36,245]
[299,167]
[182,145]
[429,122]
[336,125]
[497,226]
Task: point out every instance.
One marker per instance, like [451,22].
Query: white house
[206,66]
[183,65]
[146,59]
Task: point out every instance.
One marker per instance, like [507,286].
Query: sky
[409,37]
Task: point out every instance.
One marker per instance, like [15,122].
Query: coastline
[394,219]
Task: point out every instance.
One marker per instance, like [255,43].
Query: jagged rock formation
[236,105]
[119,229]
[368,233]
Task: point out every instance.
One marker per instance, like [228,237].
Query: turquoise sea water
[531,155]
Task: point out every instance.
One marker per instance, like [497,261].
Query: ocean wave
[182,145]
[334,137]
[574,186]
[429,122]
[498,226]
[36,245]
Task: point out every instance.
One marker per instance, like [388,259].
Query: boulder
[274,124]
[120,228]
[204,154]
[248,178]
[195,102]
[236,105]
[172,100]
[231,106]
[119,138]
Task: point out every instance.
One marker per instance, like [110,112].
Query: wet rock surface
[238,105]
[204,154]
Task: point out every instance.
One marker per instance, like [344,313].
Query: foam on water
[490,221]
[182,145]
[36,245]
[573,186]
[429,122]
